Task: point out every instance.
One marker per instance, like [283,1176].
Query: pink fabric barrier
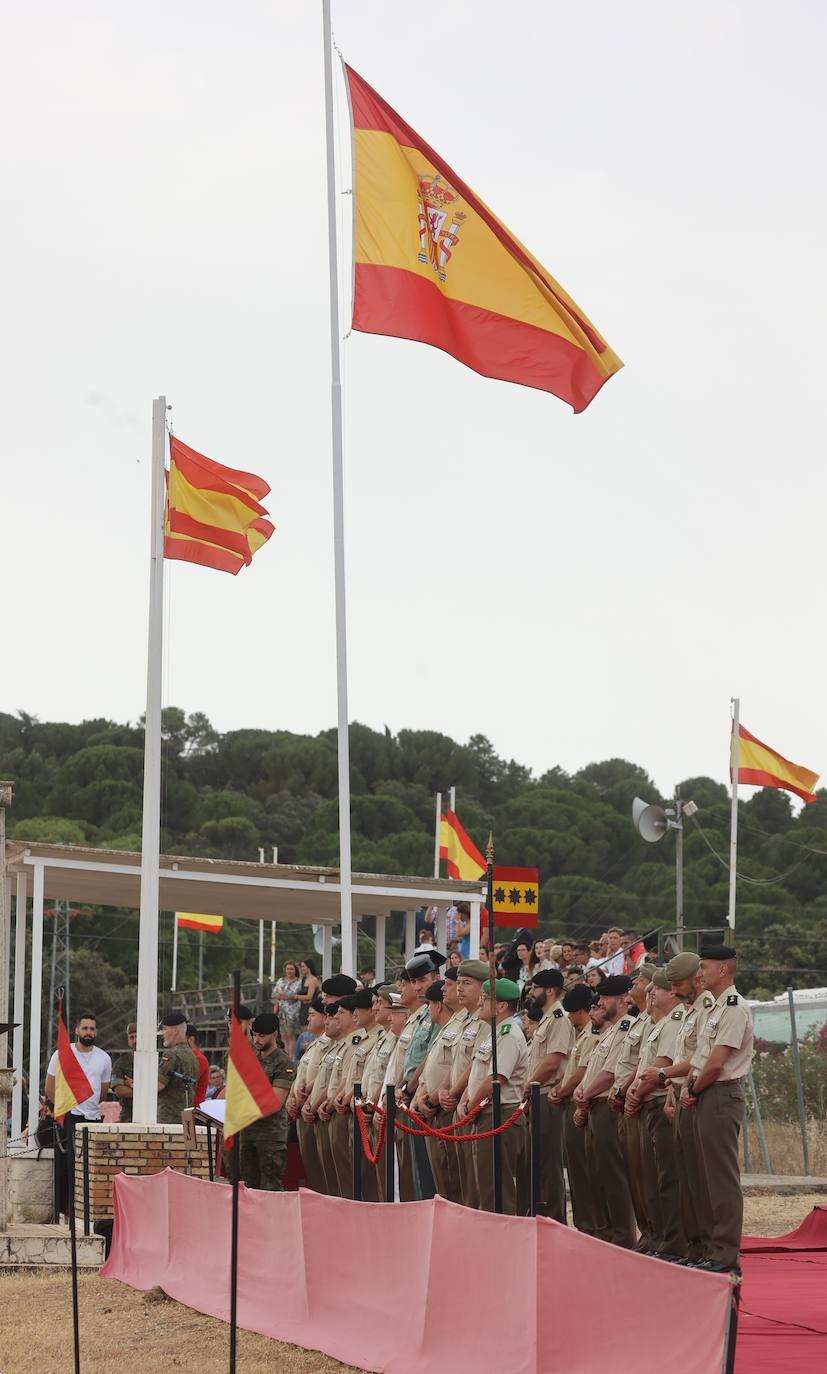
[337,1276]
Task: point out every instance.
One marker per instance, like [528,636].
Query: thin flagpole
[437,820]
[174,987]
[733,824]
[145,1102]
[345,878]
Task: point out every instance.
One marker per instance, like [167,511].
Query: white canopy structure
[249,891]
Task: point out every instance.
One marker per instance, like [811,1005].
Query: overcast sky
[574,587]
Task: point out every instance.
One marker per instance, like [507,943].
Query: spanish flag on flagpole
[71,1084]
[760,766]
[213,513]
[434,264]
[249,1094]
[191,920]
[458,850]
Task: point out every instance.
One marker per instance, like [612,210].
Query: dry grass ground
[124,1332]
[784,1148]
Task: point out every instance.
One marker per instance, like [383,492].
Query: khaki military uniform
[512,1064]
[306,1130]
[322,1128]
[720,1114]
[470,1031]
[634,1142]
[554,1034]
[263,1144]
[574,1139]
[122,1068]
[657,1138]
[407,1190]
[611,1199]
[373,1082]
[436,1069]
[696,1212]
[178,1071]
[357,1073]
[339,1126]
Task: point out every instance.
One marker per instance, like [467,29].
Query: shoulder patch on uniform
[732,1000]
[505,1028]
[625,1023]
[558,1011]
[677,1014]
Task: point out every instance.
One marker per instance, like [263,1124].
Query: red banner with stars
[516,897]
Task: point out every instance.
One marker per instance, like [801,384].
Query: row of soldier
[641,1095]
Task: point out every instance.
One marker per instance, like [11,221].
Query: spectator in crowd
[634,952]
[216,1081]
[614,959]
[310,988]
[367,977]
[426,938]
[555,954]
[286,1005]
[462,932]
[540,947]
[572,976]
[97,1066]
[203,1067]
[566,953]
[594,976]
[580,955]
[454,959]
[595,958]
[529,963]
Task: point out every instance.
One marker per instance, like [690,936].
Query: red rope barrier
[481,1135]
[455,1125]
[380,1144]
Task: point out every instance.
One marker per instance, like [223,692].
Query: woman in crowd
[286,1005]
[528,962]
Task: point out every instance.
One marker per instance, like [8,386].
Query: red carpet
[783,1322]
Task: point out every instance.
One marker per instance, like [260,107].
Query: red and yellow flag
[191,920]
[516,893]
[458,849]
[250,1094]
[763,767]
[213,514]
[435,265]
[71,1084]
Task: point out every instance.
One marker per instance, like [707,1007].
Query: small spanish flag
[761,766]
[434,264]
[191,920]
[516,893]
[71,1084]
[456,847]
[249,1094]
[214,514]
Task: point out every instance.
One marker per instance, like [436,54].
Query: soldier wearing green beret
[512,1075]
[263,1144]
[177,1070]
[121,1081]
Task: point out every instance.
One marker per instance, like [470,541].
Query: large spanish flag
[458,849]
[214,514]
[434,264]
[763,767]
[71,1084]
[249,1094]
[193,920]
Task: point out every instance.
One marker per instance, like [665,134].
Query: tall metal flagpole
[338,511]
[145,1089]
[437,827]
[733,824]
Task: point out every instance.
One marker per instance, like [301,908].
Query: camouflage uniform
[263,1144]
[121,1069]
[178,1090]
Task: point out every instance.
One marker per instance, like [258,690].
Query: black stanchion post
[86,1220]
[73,1239]
[492,988]
[732,1329]
[534,1123]
[57,1167]
[210,1167]
[390,1144]
[357,1147]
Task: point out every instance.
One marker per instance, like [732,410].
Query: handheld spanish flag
[214,514]
[516,894]
[435,265]
[761,766]
[458,849]
[249,1094]
[191,920]
[71,1084]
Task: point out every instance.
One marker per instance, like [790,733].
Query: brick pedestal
[127,1148]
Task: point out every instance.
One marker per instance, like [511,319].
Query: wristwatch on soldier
[690,1088]
[662,1079]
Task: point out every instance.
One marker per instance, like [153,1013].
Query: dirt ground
[125,1332]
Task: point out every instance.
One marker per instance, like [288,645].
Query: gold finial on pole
[489,848]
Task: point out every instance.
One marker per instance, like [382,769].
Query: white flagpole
[145,1090]
[437,820]
[733,824]
[174,987]
[338,511]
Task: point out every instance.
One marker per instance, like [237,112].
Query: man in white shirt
[614,959]
[97,1066]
